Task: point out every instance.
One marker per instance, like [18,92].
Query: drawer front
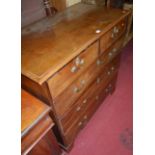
[62,79]
[96,100]
[111,36]
[77,109]
[78,125]
[110,53]
[72,93]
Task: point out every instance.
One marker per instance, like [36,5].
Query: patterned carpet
[109,132]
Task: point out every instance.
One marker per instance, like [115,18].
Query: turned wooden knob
[80,123]
[78,108]
[83,82]
[97,97]
[112,68]
[98,80]
[99,62]
[114,50]
[85,117]
[84,101]
[110,54]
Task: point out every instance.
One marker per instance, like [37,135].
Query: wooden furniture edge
[49,73]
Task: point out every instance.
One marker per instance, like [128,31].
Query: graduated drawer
[80,123]
[96,99]
[110,53]
[63,78]
[70,95]
[111,36]
[79,107]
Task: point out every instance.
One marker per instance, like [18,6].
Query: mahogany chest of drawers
[71,62]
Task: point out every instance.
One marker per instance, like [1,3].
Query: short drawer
[78,125]
[110,53]
[111,36]
[63,78]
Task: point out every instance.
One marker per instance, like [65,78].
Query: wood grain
[94,90]
[33,110]
[50,43]
[60,81]
[50,50]
[86,115]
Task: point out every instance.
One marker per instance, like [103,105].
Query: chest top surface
[50,43]
[32,110]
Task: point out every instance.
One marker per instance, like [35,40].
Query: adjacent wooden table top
[50,43]
[33,110]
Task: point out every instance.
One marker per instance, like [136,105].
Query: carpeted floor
[109,132]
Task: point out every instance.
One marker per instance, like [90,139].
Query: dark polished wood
[36,127]
[71,62]
[47,146]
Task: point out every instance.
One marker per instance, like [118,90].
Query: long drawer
[111,36]
[89,111]
[99,83]
[63,78]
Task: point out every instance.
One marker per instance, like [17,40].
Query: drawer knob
[78,108]
[82,62]
[84,101]
[99,62]
[110,85]
[110,54]
[123,24]
[115,30]
[77,61]
[80,123]
[114,50]
[83,82]
[85,117]
[73,69]
[112,35]
[98,80]
[109,73]
[98,31]
[106,90]
[112,68]
[76,90]
[97,97]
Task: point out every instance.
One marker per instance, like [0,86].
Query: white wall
[71,2]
